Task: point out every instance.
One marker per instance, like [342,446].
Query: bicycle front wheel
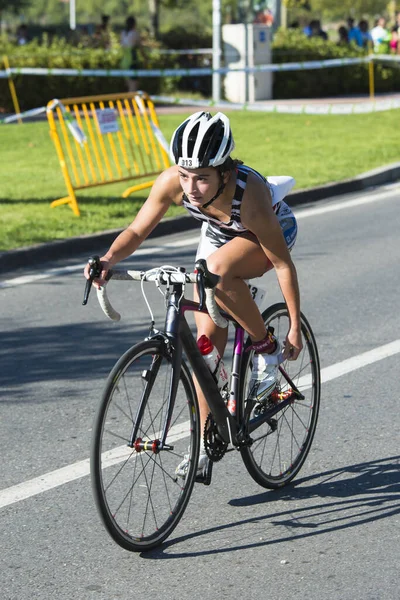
[281,444]
[137,491]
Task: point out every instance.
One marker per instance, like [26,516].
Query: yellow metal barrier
[120,142]
[11,85]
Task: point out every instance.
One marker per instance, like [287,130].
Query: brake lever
[94,271]
[205,279]
[200,288]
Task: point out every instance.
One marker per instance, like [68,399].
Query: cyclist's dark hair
[229,164]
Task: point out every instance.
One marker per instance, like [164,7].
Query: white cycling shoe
[183,467]
[264,375]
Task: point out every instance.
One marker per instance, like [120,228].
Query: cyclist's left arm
[259,217]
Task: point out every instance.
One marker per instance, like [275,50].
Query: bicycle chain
[215,447]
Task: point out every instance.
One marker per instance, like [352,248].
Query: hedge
[34,91]
[293,46]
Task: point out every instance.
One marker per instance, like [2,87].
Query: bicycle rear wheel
[280,445]
[138,494]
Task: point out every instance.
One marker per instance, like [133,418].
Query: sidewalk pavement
[34,256]
[358,99]
[331,105]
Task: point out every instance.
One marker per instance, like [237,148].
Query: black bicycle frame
[178,332]
[181,337]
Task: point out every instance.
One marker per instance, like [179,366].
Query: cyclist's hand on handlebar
[101,279]
[293,345]
[95,272]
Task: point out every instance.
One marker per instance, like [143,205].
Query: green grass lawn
[314,149]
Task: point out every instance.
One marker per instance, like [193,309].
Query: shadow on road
[74,351]
[346,497]
[79,350]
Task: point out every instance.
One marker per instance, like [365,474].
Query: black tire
[137,492]
[280,448]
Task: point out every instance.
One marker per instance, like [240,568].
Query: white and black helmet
[202,141]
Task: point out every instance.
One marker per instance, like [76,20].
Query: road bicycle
[148,417]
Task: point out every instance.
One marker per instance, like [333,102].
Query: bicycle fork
[157,444]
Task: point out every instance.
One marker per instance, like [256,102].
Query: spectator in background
[394,41]
[22,35]
[84,37]
[97,37]
[264,17]
[343,36]
[354,33]
[130,41]
[379,33]
[365,34]
[395,37]
[105,32]
[307,29]
[316,30]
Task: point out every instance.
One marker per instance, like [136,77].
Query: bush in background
[293,46]
[34,90]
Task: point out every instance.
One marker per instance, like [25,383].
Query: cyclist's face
[199,185]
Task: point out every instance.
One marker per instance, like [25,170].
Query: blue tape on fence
[293,66]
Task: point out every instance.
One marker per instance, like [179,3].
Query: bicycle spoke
[139,495]
[280,444]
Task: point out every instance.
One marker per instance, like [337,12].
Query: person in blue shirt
[354,33]
[365,34]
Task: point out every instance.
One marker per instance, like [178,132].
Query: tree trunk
[154,9]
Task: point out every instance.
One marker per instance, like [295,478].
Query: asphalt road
[333,534]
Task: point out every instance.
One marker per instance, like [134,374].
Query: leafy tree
[346,8]
[13,7]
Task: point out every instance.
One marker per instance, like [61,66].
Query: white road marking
[352,364]
[80,469]
[301,213]
[341,205]
[359,361]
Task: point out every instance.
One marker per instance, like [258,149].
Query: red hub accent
[148,446]
[138,445]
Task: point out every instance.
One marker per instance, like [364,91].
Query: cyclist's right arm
[165,192]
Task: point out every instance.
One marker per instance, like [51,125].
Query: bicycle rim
[281,445]
[138,494]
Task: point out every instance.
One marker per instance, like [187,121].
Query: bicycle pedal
[205,477]
[273,423]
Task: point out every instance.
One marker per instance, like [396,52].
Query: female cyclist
[247,230]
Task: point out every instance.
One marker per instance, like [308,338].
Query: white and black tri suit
[216,233]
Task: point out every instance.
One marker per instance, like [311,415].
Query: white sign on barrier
[107,120]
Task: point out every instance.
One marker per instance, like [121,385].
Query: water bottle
[213,360]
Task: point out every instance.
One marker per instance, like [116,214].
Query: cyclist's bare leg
[240,259]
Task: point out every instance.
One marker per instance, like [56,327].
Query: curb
[375,177]
[34,255]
